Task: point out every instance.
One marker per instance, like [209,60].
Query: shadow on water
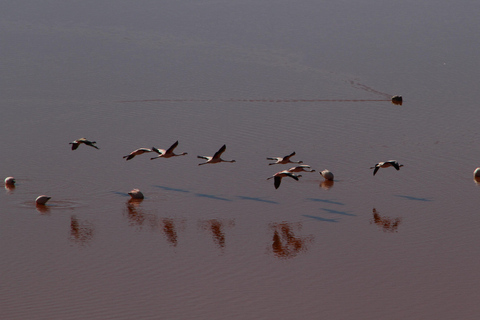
[203,195]
[123,194]
[211,196]
[339,212]
[320,218]
[172,189]
[326,201]
[413,198]
[257,199]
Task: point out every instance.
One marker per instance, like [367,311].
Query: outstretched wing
[74,145]
[289,156]
[157,150]
[219,152]
[172,147]
[276,181]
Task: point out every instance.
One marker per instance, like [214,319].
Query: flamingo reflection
[385,223]
[81,232]
[327,184]
[136,216]
[217,229]
[170,230]
[285,244]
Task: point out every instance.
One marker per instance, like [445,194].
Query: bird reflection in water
[285,243]
[42,209]
[385,223]
[136,216]
[217,229]
[327,184]
[81,232]
[170,229]
[475,179]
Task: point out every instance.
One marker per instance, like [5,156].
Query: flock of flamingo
[216,158]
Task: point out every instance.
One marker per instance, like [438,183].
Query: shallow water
[218,241]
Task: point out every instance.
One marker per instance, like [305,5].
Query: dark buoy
[397,100]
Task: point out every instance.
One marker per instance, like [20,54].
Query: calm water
[218,241]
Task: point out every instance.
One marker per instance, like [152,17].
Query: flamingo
[476,173]
[10,181]
[397,100]
[136,194]
[216,157]
[327,174]
[386,164]
[77,142]
[167,153]
[42,200]
[283,160]
[137,152]
[300,168]
[279,175]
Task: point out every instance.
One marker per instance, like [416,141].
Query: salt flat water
[219,241]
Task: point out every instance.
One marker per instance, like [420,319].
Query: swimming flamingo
[397,100]
[167,153]
[283,160]
[136,194]
[327,174]
[300,168]
[476,173]
[386,164]
[77,142]
[216,157]
[136,153]
[279,175]
[41,200]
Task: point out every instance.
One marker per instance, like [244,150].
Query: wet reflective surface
[219,241]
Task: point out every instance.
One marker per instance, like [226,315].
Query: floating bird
[167,153]
[10,181]
[279,175]
[327,174]
[216,157]
[397,100]
[77,142]
[137,152]
[136,194]
[476,173]
[300,168]
[41,200]
[283,160]
[386,164]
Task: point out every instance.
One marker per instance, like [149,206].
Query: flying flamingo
[136,153]
[386,164]
[277,177]
[167,153]
[300,168]
[77,142]
[283,160]
[216,157]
